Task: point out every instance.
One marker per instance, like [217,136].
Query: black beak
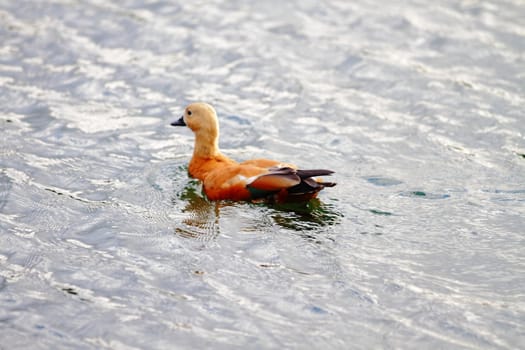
[179,122]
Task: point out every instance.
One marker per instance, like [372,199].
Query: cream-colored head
[201,118]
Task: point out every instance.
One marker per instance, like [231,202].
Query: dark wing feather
[305,188]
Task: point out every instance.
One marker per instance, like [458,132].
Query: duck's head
[200,117]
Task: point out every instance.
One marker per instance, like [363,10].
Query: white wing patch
[236,179]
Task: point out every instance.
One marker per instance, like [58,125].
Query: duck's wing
[288,184]
[275,180]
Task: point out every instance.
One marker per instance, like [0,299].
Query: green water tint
[380,212]
[419,194]
[192,191]
[426,195]
[305,216]
[382,181]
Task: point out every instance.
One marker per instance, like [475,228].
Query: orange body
[224,178]
[227,179]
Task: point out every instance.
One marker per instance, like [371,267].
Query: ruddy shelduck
[257,179]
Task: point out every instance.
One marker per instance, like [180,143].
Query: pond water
[106,243]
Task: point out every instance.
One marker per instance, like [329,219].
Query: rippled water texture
[106,243]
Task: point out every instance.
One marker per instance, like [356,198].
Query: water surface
[106,243]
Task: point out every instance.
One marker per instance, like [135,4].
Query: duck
[252,180]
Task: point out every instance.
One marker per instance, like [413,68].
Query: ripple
[201,217]
[5,188]
[424,195]
[380,212]
[383,181]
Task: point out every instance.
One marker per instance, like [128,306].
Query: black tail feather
[308,184]
[306,189]
[304,174]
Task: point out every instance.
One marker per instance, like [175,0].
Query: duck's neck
[206,145]
[207,157]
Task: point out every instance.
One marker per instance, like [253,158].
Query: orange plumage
[224,178]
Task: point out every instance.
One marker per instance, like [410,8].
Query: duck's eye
[189,112]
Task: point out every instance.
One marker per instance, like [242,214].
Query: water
[106,243]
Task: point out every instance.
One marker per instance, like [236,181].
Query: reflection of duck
[202,217]
[304,217]
[224,178]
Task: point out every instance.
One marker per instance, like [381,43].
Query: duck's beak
[179,122]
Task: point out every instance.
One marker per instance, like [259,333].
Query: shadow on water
[203,216]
